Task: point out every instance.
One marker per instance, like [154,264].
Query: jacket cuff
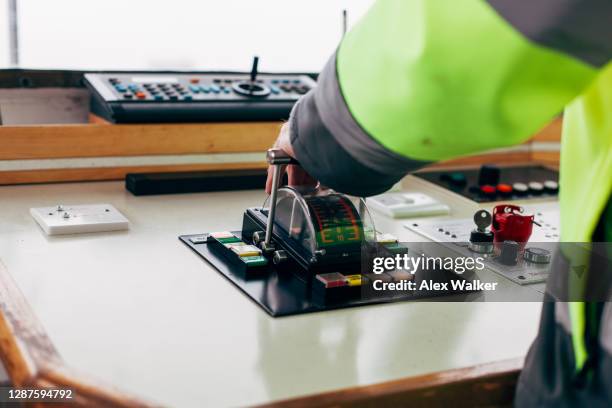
[324,159]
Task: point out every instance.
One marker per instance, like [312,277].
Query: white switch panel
[407,205]
[78,219]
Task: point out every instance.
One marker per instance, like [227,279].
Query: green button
[228,240]
[254,260]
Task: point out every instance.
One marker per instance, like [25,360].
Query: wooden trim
[32,361]
[551,132]
[98,140]
[491,385]
[112,173]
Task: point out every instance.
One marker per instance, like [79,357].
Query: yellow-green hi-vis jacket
[417,81]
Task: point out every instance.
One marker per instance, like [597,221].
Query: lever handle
[279,157]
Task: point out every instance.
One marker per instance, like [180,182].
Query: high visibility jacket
[417,81]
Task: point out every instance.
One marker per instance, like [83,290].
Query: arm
[426,80]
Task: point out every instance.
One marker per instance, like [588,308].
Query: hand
[296,175]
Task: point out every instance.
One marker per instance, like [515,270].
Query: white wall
[288,35]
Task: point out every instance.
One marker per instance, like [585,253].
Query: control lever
[276,158]
[254,72]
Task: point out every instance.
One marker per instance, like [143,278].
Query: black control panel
[194,97]
[494,183]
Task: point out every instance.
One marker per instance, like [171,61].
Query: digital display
[336,220]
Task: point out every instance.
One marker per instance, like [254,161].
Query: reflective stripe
[581,28]
[605,330]
[577,313]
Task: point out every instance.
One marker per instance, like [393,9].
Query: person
[417,81]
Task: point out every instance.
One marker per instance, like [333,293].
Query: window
[181,34]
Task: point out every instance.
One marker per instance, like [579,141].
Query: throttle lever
[276,158]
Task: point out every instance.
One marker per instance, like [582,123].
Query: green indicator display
[335,219]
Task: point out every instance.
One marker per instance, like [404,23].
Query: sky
[287,35]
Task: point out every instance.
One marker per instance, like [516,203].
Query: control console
[495,183]
[145,97]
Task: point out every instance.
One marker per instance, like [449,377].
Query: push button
[504,189]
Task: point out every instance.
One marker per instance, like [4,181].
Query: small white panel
[455,233]
[78,219]
[407,205]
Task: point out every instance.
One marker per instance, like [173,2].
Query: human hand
[296,175]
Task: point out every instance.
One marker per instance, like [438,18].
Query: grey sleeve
[333,148]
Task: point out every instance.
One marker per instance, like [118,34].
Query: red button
[488,189]
[194,80]
[140,95]
[504,188]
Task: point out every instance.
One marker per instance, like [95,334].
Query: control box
[491,183]
[145,97]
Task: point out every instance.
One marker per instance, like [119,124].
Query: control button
[489,174]
[133,87]
[296,81]
[158,97]
[520,188]
[215,89]
[205,88]
[509,253]
[217,81]
[188,97]
[275,81]
[274,90]
[121,88]
[128,95]
[226,90]
[286,81]
[194,80]
[285,88]
[457,179]
[504,189]
[537,255]
[488,190]
[194,88]
[141,95]
[551,186]
[173,97]
[228,81]
[535,187]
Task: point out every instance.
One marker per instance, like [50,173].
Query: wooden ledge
[98,140]
[487,385]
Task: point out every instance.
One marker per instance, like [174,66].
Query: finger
[297,176]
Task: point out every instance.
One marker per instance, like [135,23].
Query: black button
[128,95]
[173,97]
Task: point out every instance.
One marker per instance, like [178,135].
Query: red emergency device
[509,224]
